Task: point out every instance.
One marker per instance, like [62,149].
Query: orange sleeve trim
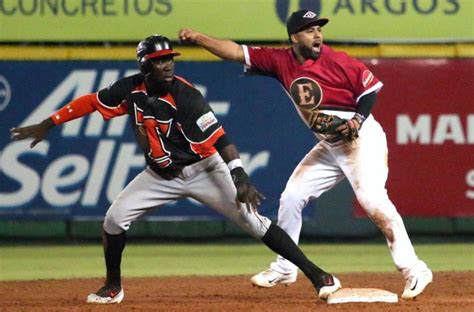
[110,112]
[87,104]
[206,148]
[77,108]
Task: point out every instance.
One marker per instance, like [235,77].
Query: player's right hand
[246,192]
[37,132]
[249,195]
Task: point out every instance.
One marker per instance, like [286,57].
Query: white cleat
[107,295]
[270,278]
[416,283]
[331,284]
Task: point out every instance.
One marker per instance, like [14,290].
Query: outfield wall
[68,181]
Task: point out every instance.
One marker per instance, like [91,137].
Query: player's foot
[106,295]
[416,283]
[270,278]
[327,285]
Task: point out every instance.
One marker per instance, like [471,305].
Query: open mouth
[317,46]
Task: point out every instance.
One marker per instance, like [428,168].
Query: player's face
[162,71]
[308,42]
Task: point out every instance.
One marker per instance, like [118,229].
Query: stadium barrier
[428,121]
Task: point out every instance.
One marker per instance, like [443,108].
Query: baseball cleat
[417,283]
[270,278]
[107,295]
[329,284]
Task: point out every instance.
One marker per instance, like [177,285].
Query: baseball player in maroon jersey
[187,153]
[319,79]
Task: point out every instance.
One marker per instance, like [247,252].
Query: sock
[113,248]
[279,241]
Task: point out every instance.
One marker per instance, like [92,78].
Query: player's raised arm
[225,49]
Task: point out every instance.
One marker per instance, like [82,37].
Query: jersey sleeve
[259,60]
[198,123]
[109,102]
[360,79]
[77,108]
[112,101]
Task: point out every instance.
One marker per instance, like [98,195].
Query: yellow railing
[14,52]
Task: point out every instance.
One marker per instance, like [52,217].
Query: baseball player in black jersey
[187,153]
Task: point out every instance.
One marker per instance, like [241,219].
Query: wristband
[235,163]
[360,118]
[239,176]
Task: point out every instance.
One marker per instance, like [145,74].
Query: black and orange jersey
[174,130]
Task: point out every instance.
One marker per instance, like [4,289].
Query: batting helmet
[153,47]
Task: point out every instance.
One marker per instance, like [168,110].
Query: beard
[309,53]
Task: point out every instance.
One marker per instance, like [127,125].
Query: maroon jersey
[334,81]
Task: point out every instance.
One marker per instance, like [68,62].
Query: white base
[346,295]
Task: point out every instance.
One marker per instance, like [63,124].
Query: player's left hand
[246,192]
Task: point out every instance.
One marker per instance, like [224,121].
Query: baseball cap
[303,19]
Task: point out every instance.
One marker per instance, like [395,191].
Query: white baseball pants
[364,163]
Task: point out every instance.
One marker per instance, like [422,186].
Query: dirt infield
[449,292]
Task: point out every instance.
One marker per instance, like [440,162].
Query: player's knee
[255,224]
[113,225]
[371,200]
[292,197]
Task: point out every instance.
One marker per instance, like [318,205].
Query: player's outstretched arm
[225,49]
[77,108]
[37,132]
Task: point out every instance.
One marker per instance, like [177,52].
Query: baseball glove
[339,128]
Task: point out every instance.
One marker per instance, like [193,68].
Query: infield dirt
[450,291]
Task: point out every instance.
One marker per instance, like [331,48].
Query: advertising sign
[427,110]
[84,164]
[425,107]
[253,20]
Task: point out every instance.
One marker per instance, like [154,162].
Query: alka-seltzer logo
[93,160]
[306,93]
[5,93]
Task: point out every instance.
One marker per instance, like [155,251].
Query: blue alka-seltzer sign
[83,165]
